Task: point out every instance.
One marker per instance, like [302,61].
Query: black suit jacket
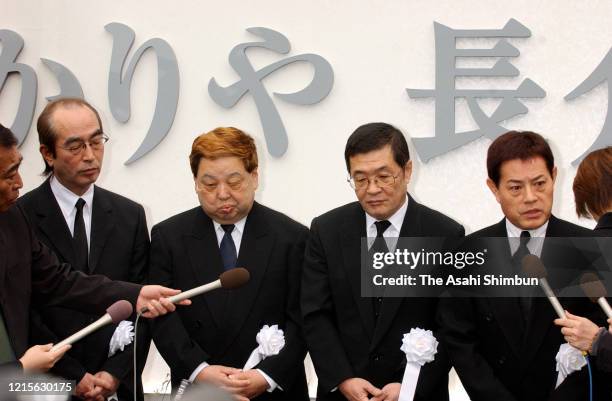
[30,274]
[604,225]
[339,325]
[220,327]
[495,356]
[119,250]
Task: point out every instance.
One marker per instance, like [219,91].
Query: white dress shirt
[535,243]
[67,202]
[392,233]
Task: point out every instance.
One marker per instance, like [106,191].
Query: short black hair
[7,138]
[374,136]
[523,145]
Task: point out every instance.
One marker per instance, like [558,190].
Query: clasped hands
[97,387]
[243,385]
[358,389]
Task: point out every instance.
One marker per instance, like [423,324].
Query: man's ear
[408,171]
[493,187]
[47,154]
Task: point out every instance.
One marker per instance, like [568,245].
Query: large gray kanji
[602,73]
[445,92]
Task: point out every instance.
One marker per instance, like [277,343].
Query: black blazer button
[488,317]
[501,360]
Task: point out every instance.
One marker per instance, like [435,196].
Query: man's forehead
[9,158]
[67,119]
[528,169]
[375,160]
[219,175]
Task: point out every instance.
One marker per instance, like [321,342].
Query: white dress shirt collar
[236,233]
[67,199]
[535,243]
[393,232]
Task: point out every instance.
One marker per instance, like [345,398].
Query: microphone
[595,290]
[120,310]
[533,267]
[230,279]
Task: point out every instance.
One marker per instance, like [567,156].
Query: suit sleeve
[169,334]
[456,318]
[121,364]
[294,351]
[57,283]
[322,336]
[67,367]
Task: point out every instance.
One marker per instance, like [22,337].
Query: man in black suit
[107,234]
[504,348]
[31,275]
[355,341]
[214,338]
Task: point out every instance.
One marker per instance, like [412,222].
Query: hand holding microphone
[579,331]
[41,358]
[230,279]
[120,310]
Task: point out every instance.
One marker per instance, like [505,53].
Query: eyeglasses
[78,146]
[381,180]
[234,183]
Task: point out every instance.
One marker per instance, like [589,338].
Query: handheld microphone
[120,310]
[230,279]
[595,290]
[533,267]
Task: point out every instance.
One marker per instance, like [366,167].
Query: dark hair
[593,183]
[512,145]
[374,136]
[46,129]
[7,138]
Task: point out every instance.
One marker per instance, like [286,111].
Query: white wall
[377,49]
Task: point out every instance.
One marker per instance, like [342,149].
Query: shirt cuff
[271,383]
[197,371]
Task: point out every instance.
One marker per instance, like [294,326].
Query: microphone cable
[586,357]
[134,350]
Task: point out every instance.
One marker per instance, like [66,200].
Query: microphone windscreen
[120,310]
[533,266]
[234,278]
[592,286]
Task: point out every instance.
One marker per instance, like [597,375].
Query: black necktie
[228,248]
[79,239]
[517,260]
[379,245]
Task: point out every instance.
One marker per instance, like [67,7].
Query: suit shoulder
[559,227]
[118,199]
[340,213]
[435,218]
[179,221]
[28,199]
[279,219]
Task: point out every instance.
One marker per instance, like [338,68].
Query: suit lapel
[354,230]
[205,258]
[52,223]
[256,247]
[542,313]
[101,227]
[411,227]
[506,310]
